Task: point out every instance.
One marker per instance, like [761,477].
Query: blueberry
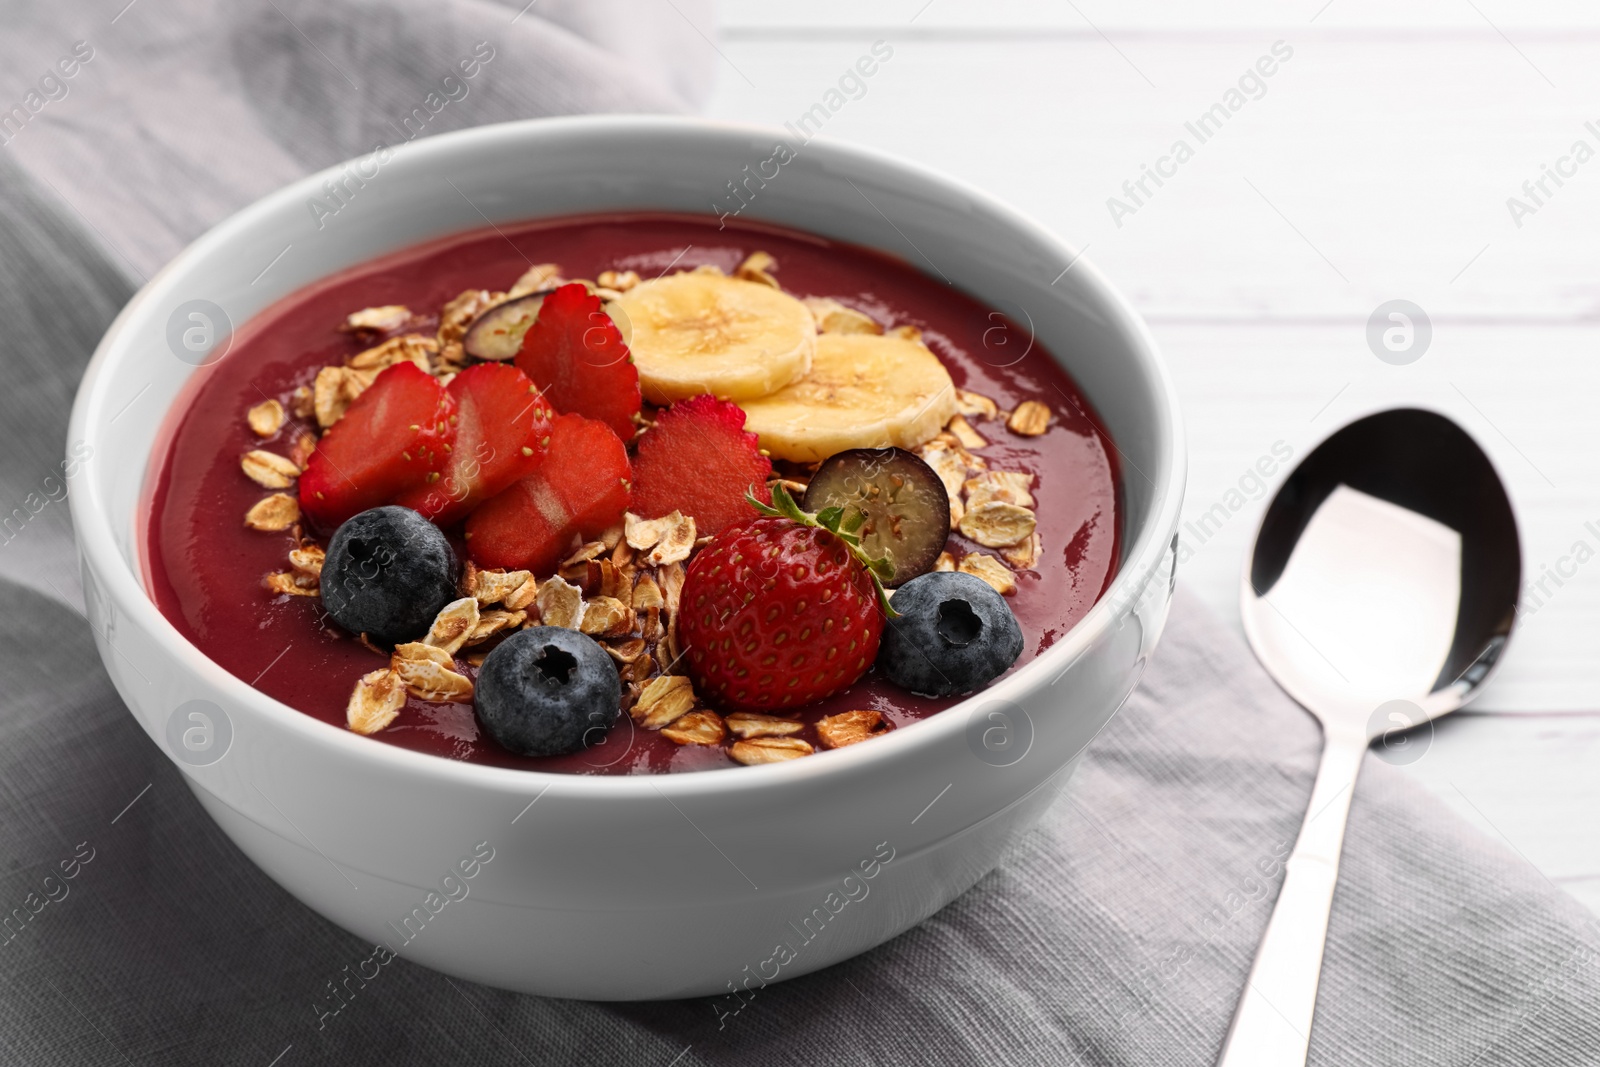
[548,691]
[954,634]
[387,573]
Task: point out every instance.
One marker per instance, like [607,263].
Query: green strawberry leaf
[845,526]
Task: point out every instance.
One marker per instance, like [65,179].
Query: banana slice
[863,391]
[696,333]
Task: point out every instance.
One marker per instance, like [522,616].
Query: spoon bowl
[1387,567]
[1380,593]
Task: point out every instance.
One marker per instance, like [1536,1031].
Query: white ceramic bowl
[626,887]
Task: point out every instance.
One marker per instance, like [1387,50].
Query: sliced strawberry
[391,439]
[502,425]
[699,460]
[576,355]
[579,489]
[590,474]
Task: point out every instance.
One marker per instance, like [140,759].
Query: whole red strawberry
[779,611]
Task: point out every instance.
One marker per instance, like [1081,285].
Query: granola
[997,574]
[965,435]
[493,622]
[1008,487]
[386,319]
[272,513]
[539,277]
[696,728]
[429,673]
[375,701]
[560,604]
[455,623]
[288,583]
[759,750]
[663,701]
[307,560]
[623,586]
[268,469]
[834,317]
[757,268]
[266,418]
[746,724]
[675,543]
[996,524]
[850,727]
[975,405]
[494,586]
[1030,419]
[606,616]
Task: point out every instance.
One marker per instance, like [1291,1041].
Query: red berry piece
[699,460]
[776,614]
[579,490]
[392,438]
[575,354]
[502,425]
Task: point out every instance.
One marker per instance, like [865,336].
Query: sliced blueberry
[954,634]
[497,333]
[387,573]
[548,691]
[904,508]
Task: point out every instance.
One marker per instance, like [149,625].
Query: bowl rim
[97,541]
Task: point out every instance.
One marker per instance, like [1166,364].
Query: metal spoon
[1380,593]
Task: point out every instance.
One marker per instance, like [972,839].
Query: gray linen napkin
[179,112]
[1118,932]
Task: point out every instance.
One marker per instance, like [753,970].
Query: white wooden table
[1375,163]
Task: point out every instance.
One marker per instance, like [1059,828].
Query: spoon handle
[1272,1026]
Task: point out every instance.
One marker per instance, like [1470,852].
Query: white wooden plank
[1369,169]
[1253,392]
[1528,782]
[740,17]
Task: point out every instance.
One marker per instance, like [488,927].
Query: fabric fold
[180,112]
